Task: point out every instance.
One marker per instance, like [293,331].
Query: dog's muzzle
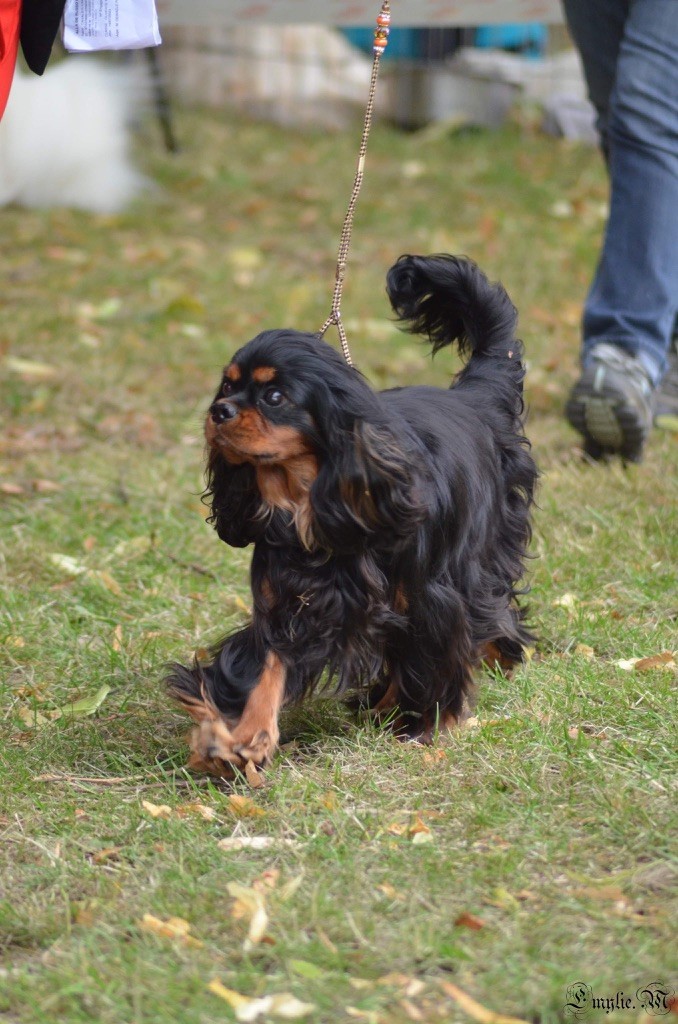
[223,411]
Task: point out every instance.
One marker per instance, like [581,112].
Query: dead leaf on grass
[30,368]
[397,828]
[284,1005]
[249,903]
[474,1009]
[604,893]
[173,928]
[157,810]
[14,641]
[34,719]
[666,660]
[472,722]
[586,730]
[468,920]
[196,809]
[361,984]
[433,756]
[46,486]
[231,843]
[253,775]
[108,853]
[74,568]
[410,986]
[390,892]
[85,706]
[243,807]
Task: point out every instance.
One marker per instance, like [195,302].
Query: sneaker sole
[607,425]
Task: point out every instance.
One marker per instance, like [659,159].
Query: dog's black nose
[222,411]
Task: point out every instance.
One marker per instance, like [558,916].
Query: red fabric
[10,22]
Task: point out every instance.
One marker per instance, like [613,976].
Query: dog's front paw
[212,749]
[258,748]
[218,750]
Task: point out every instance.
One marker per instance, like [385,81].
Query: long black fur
[420,511]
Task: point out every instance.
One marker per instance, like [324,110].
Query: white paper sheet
[110,25]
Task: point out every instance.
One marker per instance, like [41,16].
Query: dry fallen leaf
[157,810]
[431,756]
[243,807]
[173,928]
[390,892]
[196,809]
[253,842]
[467,920]
[108,853]
[30,369]
[253,775]
[46,486]
[666,660]
[397,828]
[410,986]
[249,903]
[34,719]
[288,1007]
[283,1005]
[474,1009]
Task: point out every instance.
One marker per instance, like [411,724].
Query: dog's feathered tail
[449,299]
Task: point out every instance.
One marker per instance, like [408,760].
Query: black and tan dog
[389,528]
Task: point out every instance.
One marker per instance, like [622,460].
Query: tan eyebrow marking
[232,372]
[263,374]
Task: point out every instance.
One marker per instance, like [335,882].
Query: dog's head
[292,427]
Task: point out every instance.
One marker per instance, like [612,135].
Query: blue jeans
[629,50]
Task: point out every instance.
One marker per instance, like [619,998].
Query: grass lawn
[532,850]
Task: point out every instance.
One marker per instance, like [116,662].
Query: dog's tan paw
[259,749]
[212,750]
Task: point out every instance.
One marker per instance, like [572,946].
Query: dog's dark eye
[226,388]
[273,397]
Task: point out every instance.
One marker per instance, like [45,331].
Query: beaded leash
[378,47]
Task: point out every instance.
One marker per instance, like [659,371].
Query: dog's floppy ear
[366,488]
[234,499]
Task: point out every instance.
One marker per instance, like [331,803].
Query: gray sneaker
[611,404]
[666,397]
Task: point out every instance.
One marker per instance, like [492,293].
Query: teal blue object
[402,42]
[529,38]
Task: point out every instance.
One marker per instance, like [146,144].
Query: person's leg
[633,301]
[597,29]
[634,297]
